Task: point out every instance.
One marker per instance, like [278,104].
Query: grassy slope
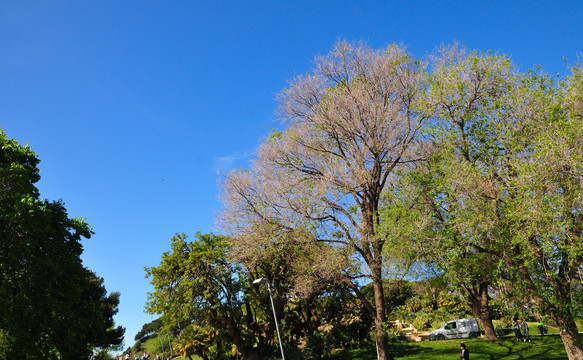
[506,348]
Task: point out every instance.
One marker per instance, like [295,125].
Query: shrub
[501,327]
[422,321]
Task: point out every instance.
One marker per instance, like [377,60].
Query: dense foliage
[459,165]
[51,307]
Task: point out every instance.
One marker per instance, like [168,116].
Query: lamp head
[260,281]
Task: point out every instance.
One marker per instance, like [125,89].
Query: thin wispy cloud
[232,161]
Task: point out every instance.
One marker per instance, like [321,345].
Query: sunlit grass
[506,348]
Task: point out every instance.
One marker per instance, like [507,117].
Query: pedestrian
[516,328]
[464,353]
[524,327]
[541,328]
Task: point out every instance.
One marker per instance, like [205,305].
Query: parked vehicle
[456,329]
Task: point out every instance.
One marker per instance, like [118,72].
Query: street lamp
[265,281]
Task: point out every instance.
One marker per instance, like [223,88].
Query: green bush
[422,321]
[154,346]
[318,345]
[501,327]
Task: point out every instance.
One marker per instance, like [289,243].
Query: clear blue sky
[133,106]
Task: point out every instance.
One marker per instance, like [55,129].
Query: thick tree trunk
[485,317]
[562,312]
[380,333]
[489,330]
[572,342]
[478,301]
[233,331]
[570,336]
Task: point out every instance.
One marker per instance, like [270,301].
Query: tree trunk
[485,317]
[563,313]
[572,343]
[570,336]
[380,333]
[478,301]
[234,332]
[489,330]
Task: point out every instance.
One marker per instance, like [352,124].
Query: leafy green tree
[201,285]
[94,315]
[504,180]
[436,242]
[148,330]
[545,207]
[50,305]
[196,283]
[471,95]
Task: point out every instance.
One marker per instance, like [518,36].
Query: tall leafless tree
[348,126]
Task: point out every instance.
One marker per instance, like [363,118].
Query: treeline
[458,162]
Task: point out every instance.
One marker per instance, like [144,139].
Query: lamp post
[265,281]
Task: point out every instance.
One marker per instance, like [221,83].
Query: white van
[456,329]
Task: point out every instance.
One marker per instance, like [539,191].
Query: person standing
[516,328]
[464,353]
[524,327]
[541,328]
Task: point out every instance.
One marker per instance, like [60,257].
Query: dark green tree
[148,330]
[196,284]
[50,305]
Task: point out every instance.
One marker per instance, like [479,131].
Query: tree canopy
[460,156]
[458,163]
[50,305]
[349,125]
